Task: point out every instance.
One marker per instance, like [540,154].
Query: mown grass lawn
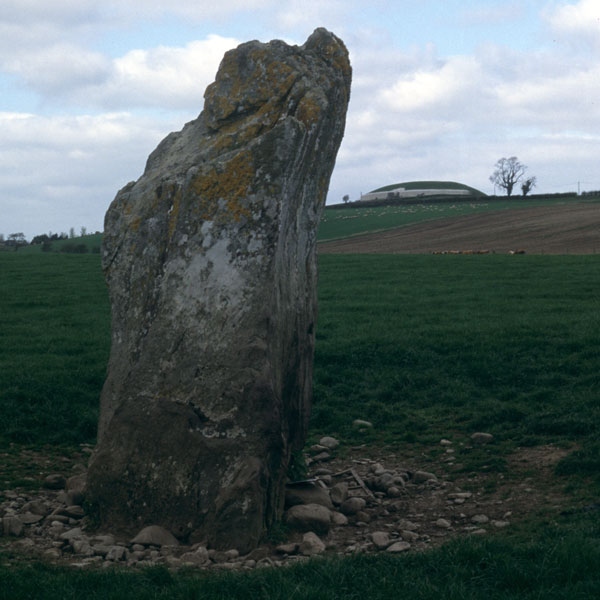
[419,345]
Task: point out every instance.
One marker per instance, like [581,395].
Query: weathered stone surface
[423,476]
[307,493]
[311,544]
[329,442]
[307,517]
[75,488]
[397,547]
[154,535]
[352,505]
[339,492]
[12,525]
[211,266]
[381,540]
[482,438]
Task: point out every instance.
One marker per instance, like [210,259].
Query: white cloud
[164,77]
[424,89]
[58,172]
[58,68]
[583,17]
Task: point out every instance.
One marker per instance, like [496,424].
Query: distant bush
[96,250]
[74,248]
[46,246]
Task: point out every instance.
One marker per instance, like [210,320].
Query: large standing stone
[211,267]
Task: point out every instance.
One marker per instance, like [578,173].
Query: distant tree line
[16,240]
[49,237]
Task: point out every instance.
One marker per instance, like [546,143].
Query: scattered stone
[482,438]
[423,476]
[30,518]
[362,424]
[72,534]
[378,469]
[173,562]
[338,493]
[397,547]
[56,481]
[76,488]
[352,505]
[74,511]
[337,518]
[309,517]
[258,553]
[500,524]
[394,492]
[307,493]
[409,536]
[445,442]
[82,547]
[443,524]
[480,519]
[381,540]
[363,516]
[323,471]
[406,525]
[322,457]
[311,544]
[460,495]
[291,548]
[37,507]
[329,442]
[478,532]
[154,535]
[109,540]
[116,554]
[12,526]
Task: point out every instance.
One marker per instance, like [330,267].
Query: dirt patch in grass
[473,491]
[557,229]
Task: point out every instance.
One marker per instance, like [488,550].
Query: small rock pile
[343,506]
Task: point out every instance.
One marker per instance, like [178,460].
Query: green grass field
[339,223]
[55,320]
[423,346]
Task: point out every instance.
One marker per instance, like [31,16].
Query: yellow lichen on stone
[231,184]
[308,110]
[134,224]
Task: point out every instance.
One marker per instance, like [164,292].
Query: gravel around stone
[365,501]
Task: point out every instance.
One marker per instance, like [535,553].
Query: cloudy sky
[442,89]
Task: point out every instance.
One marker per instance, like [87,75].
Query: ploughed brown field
[556,229]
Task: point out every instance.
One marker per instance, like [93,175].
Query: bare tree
[508,172]
[527,186]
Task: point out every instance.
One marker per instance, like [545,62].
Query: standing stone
[211,267]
